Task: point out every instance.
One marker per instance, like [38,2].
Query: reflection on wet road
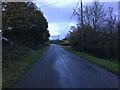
[60,69]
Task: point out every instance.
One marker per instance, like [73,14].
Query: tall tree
[24,24]
[100,34]
[93,15]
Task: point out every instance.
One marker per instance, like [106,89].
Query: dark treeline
[98,34]
[24,24]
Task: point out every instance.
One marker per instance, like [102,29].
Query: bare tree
[93,15]
[111,19]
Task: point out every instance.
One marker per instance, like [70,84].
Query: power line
[52,4]
[71,17]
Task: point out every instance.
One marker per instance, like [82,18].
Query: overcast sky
[58,14]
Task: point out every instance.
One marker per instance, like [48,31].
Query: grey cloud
[61,13]
[57,14]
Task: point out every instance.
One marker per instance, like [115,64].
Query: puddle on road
[64,72]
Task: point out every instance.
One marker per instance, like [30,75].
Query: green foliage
[12,53]
[96,43]
[99,38]
[24,24]
[112,66]
[12,72]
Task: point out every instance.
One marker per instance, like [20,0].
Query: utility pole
[82,24]
[81,14]
[58,38]
[119,11]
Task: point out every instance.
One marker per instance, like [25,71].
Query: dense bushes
[24,24]
[11,53]
[95,42]
[99,38]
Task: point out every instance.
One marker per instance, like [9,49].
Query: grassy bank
[108,65]
[14,71]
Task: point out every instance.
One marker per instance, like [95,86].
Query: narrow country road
[59,68]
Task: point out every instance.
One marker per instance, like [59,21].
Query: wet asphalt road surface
[59,68]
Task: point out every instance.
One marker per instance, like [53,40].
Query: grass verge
[14,71]
[106,64]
